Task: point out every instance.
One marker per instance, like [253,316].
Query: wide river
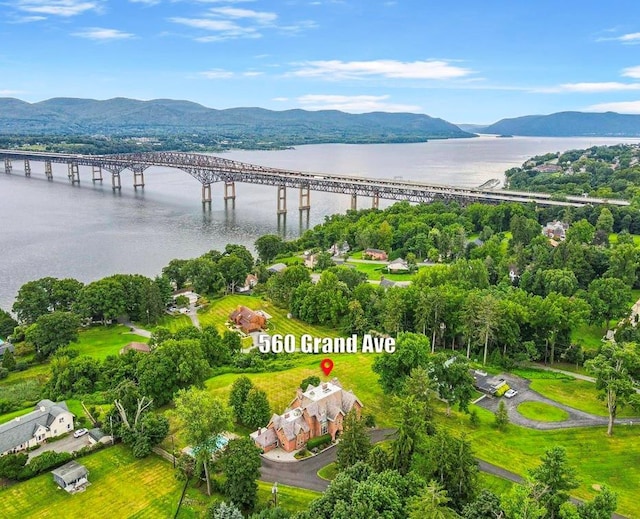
[88,231]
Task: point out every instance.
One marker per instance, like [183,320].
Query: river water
[88,231]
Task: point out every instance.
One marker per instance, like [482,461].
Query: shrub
[46,461]
[4,373]
[369,420]
[474,418]
[21,366]
[319,442]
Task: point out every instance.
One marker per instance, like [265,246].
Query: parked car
[80,432]
[511,393]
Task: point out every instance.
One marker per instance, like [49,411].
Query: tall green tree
[7,324]
[354,443]
[432,504]
[52,331]
[556,478]
[256,411]
[241,463]
[412,351]
[454,383]
[203,419]
[609,298]
[238,396]
[269,246]
[613,368]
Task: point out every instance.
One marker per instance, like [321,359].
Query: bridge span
[209,169]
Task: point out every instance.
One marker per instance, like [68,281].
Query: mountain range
[165,117]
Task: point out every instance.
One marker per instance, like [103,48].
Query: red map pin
[326,366]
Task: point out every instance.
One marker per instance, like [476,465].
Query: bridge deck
[209,169]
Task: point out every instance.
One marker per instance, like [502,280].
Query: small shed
[97,435]
[135,346]
[71,476]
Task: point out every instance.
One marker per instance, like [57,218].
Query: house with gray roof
[48,420]
[71,476]
[314,412]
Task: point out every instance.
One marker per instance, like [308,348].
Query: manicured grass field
[579,394]
[375,272]
[542,412]
[352,370]
[121,486]
[218,314]
[597,458]
[171,322]
[101,341]
[293,499]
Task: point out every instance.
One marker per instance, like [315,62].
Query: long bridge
[209,169]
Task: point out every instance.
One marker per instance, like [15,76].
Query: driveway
[526,394]
[304,473]
[66,444]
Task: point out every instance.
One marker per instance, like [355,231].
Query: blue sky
[464,61]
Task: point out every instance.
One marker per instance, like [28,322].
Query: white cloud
[102,34]
[252,73]
[236,13]
[28,19]
[589,88]
[353,104]
[224,29]
[335,69]
[8,93]
[628,39]
[280,99]
[624,107]
[633,72]
[64,8]
[216,73]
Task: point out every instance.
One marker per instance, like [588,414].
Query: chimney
[299,393]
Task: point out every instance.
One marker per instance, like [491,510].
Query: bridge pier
[206,194]
[229,190]
[8,166]
[27,168]
[282,199]
[138,178]
[48,170]
[96,174]
[375,201]
[305,199]
[74,173]
[115,181]
[354,202]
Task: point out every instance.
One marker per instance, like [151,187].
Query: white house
[48,420]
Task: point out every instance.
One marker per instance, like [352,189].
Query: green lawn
[7,417]
[494,484]
[196,502]
[328,472]
[375,271]
[578,394]
[101,341]
[597,458]
[121,486]
[589,336]
[172,322]
[39,373]
[542,412]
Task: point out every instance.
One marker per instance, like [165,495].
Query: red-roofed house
[248,320]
